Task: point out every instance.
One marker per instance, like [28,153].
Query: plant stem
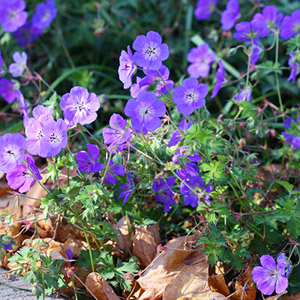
[90,250]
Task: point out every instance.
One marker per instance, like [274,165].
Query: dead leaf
[99,287]
[145,243]
[164,268]
[249,292]
[292,297]
[56,255]
[276,297]
[192,282]
[217,284]
[123,239]
[36,191]
[75,246]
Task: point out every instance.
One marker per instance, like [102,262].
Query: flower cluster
[14,19]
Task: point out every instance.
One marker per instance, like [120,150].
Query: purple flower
[17,68]
[126,68]
[256,50]
[21,176]
[2,64]
[189,96]
[177,136]
[220,75]
[270,276]
[34,129]
[150,52]
[69,253]
[54,138]
[164,192]
[80,106]
[153,77]
[44,14]
[12,14]
[11,151]
[136,88]
[269,15]
[244,95]
[23,106]
[117,135]
[200,59]
[88,161]
[145,111]
[7,90]
[204,9]
[8,246]
[294,67]
[190,197]
[247,31]
[27,34]
[113,169]
[126,189]
[230,14]
[290,25]
[294,140]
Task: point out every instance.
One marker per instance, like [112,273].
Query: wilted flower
[290,25]
[21,177]
[126,68]
[12,14]
[7,91]
[164,192]
[177,135]
[44,14]
[220,75]
[230,14]
[87,161]
[80,106]
[189,96]
[294,140]
[145,111]
[270,276]
[113,169]
[153,77]
[190,197]
[150,52]
[244,95]
[126,189]
[17,68]
[294,67]
[117,135]
[256,51]
[136,88]
[27,34]
[204,9]
[200,59]
[11,151]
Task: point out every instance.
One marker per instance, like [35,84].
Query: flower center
[80,106]
[151,51]
[46,16]
[191,96]
[13,15]
[40,134]
[11,153]
[144,111]
[54,138]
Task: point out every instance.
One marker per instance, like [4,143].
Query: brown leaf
[123,239]
[250,289]
[99,287]
[276,297]
[292,297]
[192,282]
[145,243]
[75,246]
[217,284]
[36,191]
[164,268]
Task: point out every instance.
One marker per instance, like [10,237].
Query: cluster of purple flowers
[14,19]
[293,139]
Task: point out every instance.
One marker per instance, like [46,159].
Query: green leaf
[289,187]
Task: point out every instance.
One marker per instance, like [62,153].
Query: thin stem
[90,250]
[106,169]
[276,75]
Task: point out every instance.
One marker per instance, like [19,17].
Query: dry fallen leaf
[99,287]
[145,243]
[249,292]
[292,297]
[164,268]
[123,239]
[276,297]
[217,284]
[192,282]
[75,246]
